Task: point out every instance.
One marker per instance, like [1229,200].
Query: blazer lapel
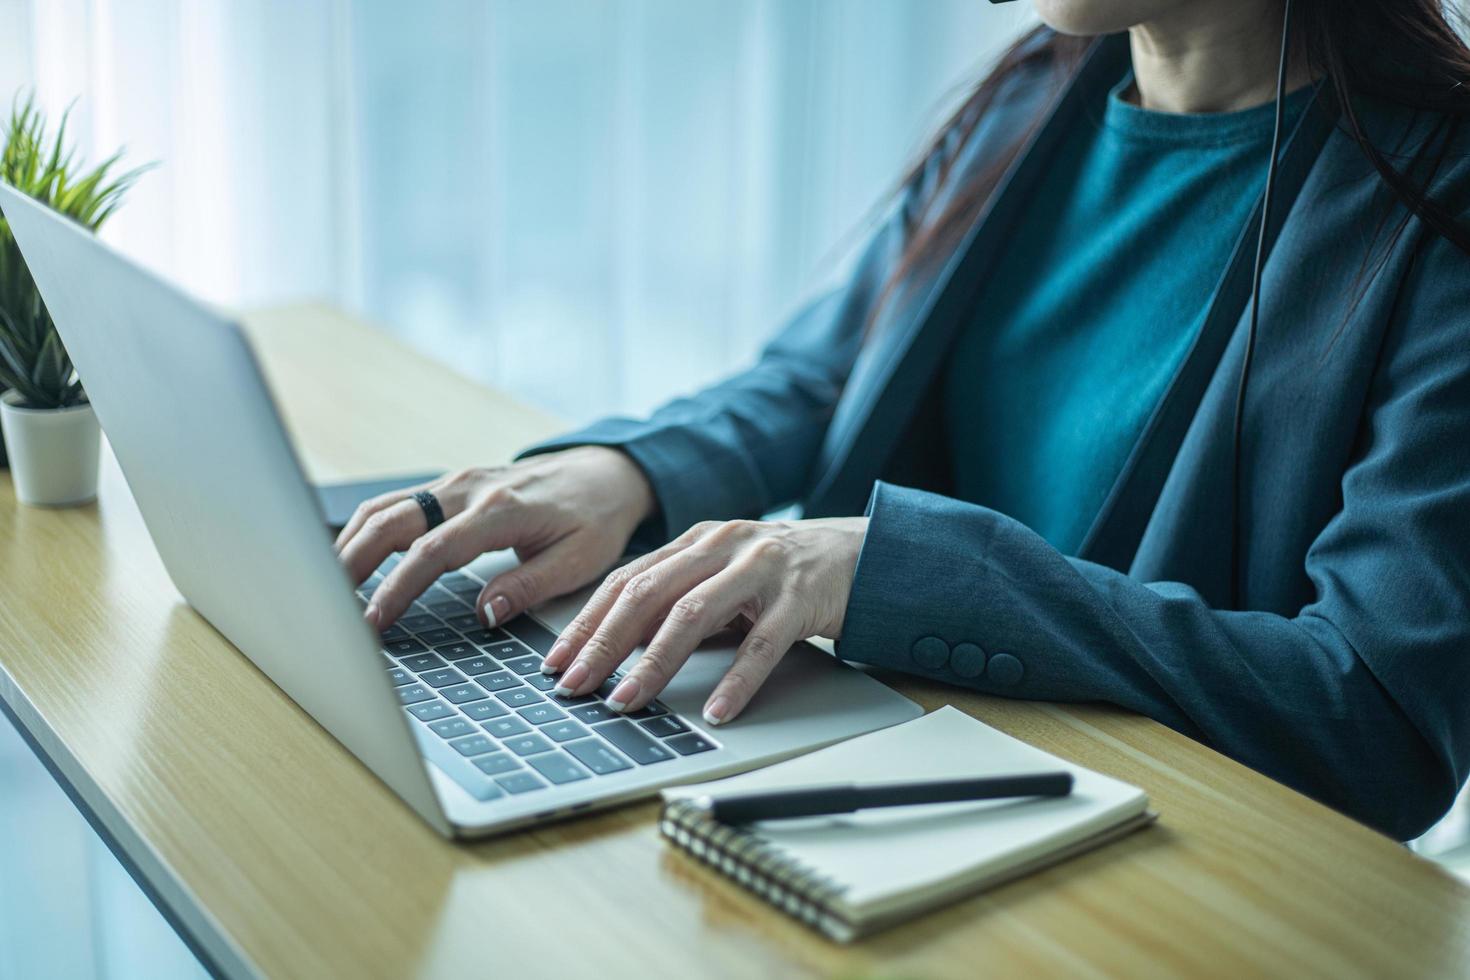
[1116,531]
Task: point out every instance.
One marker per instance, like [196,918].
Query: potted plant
[50,432]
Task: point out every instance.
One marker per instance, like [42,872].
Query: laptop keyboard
[482,695]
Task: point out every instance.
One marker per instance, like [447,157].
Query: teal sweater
[1095,304]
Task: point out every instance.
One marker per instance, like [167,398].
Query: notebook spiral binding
[742,856]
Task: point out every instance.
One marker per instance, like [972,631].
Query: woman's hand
[787,579]
[568,515]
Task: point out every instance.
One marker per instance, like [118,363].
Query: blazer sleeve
[1361,699]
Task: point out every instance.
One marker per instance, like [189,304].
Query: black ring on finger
[429,504]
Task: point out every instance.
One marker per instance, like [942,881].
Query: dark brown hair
[1404,52]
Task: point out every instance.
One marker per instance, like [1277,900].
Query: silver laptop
[456,719]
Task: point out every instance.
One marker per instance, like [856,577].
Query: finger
[557,570]
[702,612]
[581,628]
[367,509]
[644,597]
[775,632]
[386,531]
[451,545]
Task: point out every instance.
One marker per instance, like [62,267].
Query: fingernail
[496,609]
[623,694]
[574,676]
[371,613]
[716,710]
[555,656]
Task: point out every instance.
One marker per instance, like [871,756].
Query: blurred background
[643,187]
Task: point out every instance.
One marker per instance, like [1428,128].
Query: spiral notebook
[854,874]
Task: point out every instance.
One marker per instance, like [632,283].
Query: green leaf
[33,359]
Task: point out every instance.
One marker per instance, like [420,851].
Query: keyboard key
[443,677]
[518,697]
[430,710]
[636,744]
[475,666]
[527,744]
[663,726]
[448,606]
[540,681]
[531,633]
[386,565]
[402,648]
[420,662]
[485,637]
[462,693]
[557,768]
[480,789]
[650,710]
[570,701]
[540,714]
[497,763]
[524,665]
[689,744]
[498,681]
[507,651]
[464,621]
[564,731]
[456,651]
[435,637]
[605,689]
[521,782]
[506,727]
[453,580]
[453,728]
[592,713]
[416,624]
[414,693]
[484,710]
[473,745]
[400,677]
[394,632]
[595,755]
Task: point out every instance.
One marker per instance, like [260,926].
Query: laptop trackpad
[808,685]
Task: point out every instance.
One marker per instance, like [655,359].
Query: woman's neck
[1210,57]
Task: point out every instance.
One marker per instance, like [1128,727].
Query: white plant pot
[53,452]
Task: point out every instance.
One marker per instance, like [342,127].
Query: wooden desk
[282,856]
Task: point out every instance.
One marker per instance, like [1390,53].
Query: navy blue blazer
[1348,677]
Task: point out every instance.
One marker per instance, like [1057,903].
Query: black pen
[735,808]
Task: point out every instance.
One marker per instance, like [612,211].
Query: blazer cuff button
[931,653]
[1004,670]
[967,660]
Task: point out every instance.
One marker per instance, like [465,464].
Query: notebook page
[883,854]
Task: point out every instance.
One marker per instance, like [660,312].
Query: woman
[1013,432]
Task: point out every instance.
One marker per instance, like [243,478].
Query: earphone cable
[1251,329]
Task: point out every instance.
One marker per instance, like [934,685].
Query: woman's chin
[1092,17]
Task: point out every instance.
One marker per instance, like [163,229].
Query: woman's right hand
[569,516]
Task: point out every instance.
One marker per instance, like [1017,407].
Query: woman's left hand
[787,579]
